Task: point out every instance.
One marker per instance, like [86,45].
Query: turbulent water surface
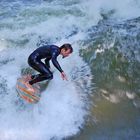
[101,100]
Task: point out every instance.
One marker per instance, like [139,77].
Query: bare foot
[29,87]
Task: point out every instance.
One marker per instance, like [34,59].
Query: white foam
[57,113]
[125,9]
[3,44]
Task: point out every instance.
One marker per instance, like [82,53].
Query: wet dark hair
[66,47]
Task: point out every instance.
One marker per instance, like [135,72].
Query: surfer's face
[65,53]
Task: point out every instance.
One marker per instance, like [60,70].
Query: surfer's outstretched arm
[57,65]
[55,62]
[64,76]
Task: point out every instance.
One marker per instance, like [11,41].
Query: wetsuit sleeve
[55,62]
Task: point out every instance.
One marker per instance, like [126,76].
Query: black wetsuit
[47,52]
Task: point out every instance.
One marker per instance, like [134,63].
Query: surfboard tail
[25,93]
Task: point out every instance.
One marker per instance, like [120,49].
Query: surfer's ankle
[30,82]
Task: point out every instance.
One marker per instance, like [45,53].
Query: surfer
[47,52]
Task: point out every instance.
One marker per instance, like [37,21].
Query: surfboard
[26,94]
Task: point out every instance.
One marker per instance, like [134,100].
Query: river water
[101,100]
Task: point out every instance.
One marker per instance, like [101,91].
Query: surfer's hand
[64,77]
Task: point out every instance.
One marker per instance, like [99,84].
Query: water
[102,83]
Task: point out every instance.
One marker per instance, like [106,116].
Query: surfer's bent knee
[49,76]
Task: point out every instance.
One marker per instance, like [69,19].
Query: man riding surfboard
[47,52]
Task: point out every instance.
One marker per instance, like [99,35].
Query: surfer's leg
[47,63]
[46,74]
[35,76]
